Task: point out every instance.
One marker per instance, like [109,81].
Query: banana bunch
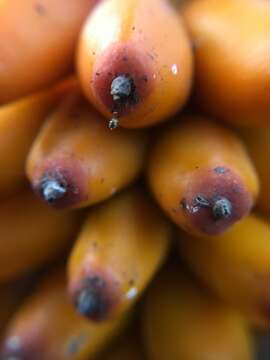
[134,181]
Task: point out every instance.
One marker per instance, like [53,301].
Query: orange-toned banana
[46,327]
[183,321]
[122,244]
[258,145]
[235,265]
[77,161]
[135,62]
[19,124]
[37,43]
[32,233]
[201,175]
[231,63]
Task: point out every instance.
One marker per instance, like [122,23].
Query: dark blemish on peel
[91,300]
[201,201]
[90,304]
[133,28]
[125,58]
[40,9]
[220,170]
[131,282]
[102,180]
[75,344]
[97,73]
[94,293]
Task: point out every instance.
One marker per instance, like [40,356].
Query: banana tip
[89,303]
[61,184]
[52,190]
[222,209]
[95,295]
[215,200]
[122,88]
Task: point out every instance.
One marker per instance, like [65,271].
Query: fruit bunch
[134,182]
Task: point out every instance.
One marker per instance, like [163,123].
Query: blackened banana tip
[89,303]
[222,208]
[52,190]
[121,88]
